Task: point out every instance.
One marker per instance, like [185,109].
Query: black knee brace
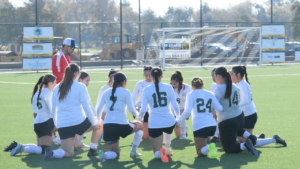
[44,148]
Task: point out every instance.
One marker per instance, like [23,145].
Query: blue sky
[161,6]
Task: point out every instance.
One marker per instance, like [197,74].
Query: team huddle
[226,113]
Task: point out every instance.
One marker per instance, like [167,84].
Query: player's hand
[96,127]
[177,124]
[181,111]
[137,109]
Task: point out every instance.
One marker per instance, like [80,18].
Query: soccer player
[85,79]
[43,123]
[115,122]
[111,75]
[231,118]
[213,86]
[70,106]
[138,92]
[200,102]
[161,120]
[181,90]
[237,74]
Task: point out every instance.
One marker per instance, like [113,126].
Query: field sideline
[276,95]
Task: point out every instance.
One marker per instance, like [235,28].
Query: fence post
[79,30]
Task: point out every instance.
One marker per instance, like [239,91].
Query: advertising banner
[38,33]
[176,48]
[37,49]
[273,57]
[37,63]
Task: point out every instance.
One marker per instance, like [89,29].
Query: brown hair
[177,76]
[47,78]
[197,82]
[65,85]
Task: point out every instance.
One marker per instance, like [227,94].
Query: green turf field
[276,95]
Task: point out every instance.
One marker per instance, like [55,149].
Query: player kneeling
[161,121]
[43,123]
[200,102]
[115,123]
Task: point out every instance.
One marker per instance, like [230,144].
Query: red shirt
[59,63]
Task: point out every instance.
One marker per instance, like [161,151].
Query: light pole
[201,14]
[121,36]
[272,11]
[139,24]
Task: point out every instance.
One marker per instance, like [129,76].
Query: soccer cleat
[48,154]
[163,156]
[81,145]
[262,136]
[100,139]
[212,150]
[253,138]
[214,140]
[11,146]
[92,152]
[182,137]
[16,150]
[102,156]
[250,147]
[279,140]
[168,152]
[134,154]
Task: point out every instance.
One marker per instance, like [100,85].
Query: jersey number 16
[162,100]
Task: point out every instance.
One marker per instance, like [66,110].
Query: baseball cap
[70,42]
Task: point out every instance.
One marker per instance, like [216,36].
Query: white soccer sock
[242,146]
[183,127]
[79,138]
[110,155]
[262,142]
[59,153]
[204,150]
[217,132]
[93,146]
[167,139]
[157,154]
[137,139]
[56,140]
[246,134]
[32,149]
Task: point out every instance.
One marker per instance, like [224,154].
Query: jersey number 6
[162,100]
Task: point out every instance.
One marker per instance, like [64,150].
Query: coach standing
[62,59]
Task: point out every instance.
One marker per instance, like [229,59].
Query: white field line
[163,80]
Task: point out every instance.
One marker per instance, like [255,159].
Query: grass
[276,96]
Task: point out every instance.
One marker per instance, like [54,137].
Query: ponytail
[119,78]
[156,73]
[36,87]
[46,79]
[65,85]
[222,71]
[38,97]
[197,82]
[228,82]
[246,76]
[242,70]
[112,97]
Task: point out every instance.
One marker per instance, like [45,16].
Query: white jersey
[44,106]
[101,91]
[213,87]
[69,111]
[160,115]
[231,107]
[138,91]
[116,110]
[181,96]
[200,102]
[246,102]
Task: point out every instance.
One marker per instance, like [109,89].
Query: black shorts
[71,131]
[250,121]
[113,131]
[44,129]
[156,132]
[205,132]
[146,117]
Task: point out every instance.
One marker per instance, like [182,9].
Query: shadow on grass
[178,144]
